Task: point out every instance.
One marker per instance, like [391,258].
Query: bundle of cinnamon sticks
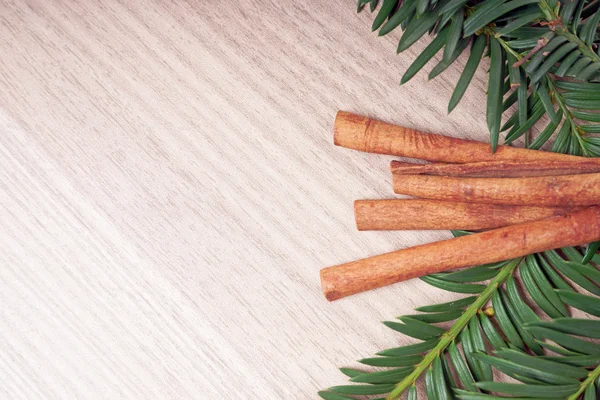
[522,202]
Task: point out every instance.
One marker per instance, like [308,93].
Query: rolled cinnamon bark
[579,227]
[367,134]
[557,191]
[410,214]
[500,169]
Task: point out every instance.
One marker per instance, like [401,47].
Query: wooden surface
[169,191]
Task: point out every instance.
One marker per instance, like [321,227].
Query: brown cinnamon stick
[500,169]
[410,214]
[367,134]
[557,191]
[579,227]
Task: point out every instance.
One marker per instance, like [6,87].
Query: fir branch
[585,385]
[452,334]
[539,35]
[516,326]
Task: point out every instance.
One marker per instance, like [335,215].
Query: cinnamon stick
[423,214]
[367,134]
[558,191]
[500,169]
[579,227]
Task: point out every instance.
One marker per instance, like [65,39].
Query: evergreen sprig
[549,352]
[544,66]
[544,57]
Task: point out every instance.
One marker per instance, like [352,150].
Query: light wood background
[169,191]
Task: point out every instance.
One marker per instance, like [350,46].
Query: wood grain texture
[169,191]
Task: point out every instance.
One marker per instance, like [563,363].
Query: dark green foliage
[548,40]
[456,362]
[521,328]
[494,94]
